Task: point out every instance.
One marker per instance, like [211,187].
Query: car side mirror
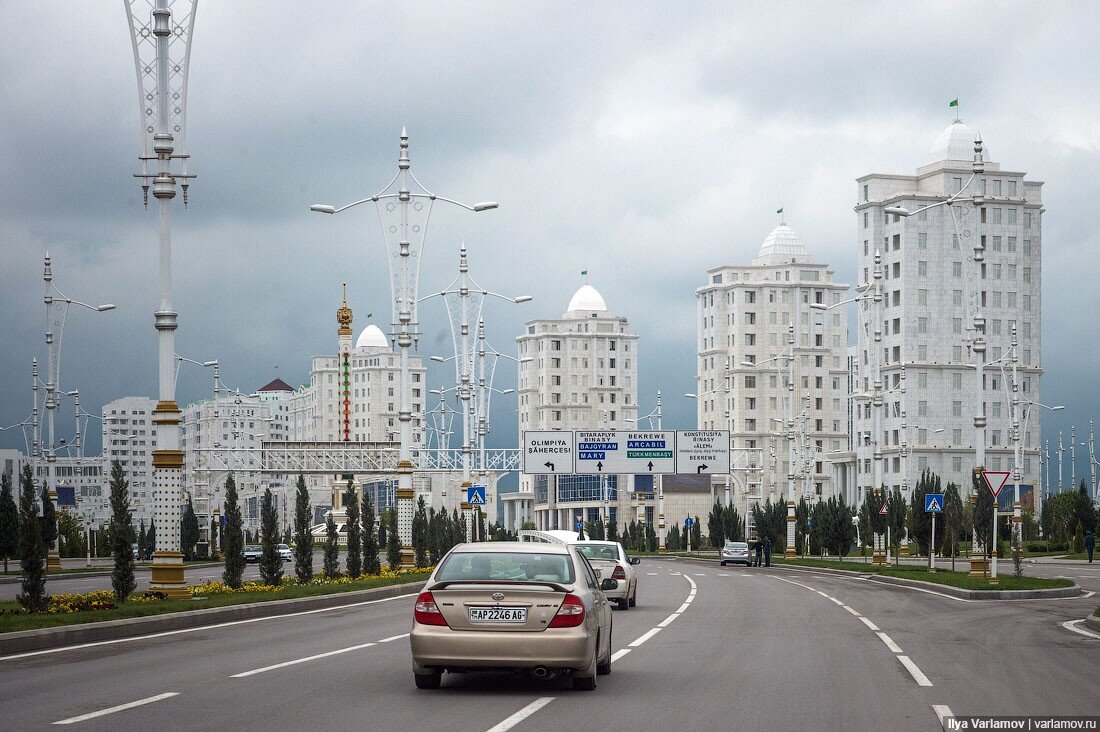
[635,560]
[609,584]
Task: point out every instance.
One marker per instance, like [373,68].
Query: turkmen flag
[584,271]
[953,103]
[779,211]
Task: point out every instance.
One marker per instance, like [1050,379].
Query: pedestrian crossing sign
[475,495]
[933,503]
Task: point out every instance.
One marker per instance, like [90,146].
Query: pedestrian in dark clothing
[759,551]
[767,551]
[1090,544]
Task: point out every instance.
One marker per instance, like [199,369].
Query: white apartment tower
[578,372]
[944,273]
[128,437]
[772,368]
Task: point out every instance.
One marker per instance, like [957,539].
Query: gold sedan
[512,606]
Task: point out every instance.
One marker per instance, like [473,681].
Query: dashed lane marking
[894,647]
[869,624]
[853,612]
[619,654]
[119,708]
[644,637]
[914,671]
[522,714]
[296,661]
[942,711]
[394,637]
[652,574]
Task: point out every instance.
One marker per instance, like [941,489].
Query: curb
[1053,593]
[1093,622]
[44,638]
[14,579]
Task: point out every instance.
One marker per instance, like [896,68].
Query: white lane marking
[619,654]
[296,661]
[869,624]
[942,711]
[200,628]
[894,647]
[853,612]
[652,574]
[781,579]
[918,589]
[522,714]
[917,674]
[821,593]
[644,637]
[700,574]
[722,575]
[119,708]
[394,637]
[669,619]
[682,608]
[1072,625]
[838,602]
[745,574]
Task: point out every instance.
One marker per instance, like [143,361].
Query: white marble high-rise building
[761,314]
[129,437]
[933,289]
[579,372]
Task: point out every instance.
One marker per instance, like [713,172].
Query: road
[755,649]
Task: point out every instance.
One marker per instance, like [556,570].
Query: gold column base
[903,550]
[978,567]
[931,570]
[662,550]
[53,562]
[167,575]
[788,553]
[878,558]
[408,557]
[994,581]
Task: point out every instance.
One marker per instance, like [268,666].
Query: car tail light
[619,573]
[570,614]
[426,612]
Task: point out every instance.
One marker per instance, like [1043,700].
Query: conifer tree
[331,564]
[122,577]
[303,539]
[393,542]
[150,540]
[141,540]
[189,531]
[32,551]
[49,519]
[271,564]
[458,526]
[9,522]
[371,563]
[233,537]
[214,537]
[420,534]
[354,532]
[383,525]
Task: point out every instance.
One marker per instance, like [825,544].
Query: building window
[922,240]
[922,268]
[956,269]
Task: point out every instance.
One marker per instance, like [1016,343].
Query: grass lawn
[940,577]
[9,623]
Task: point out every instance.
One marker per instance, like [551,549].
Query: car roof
[524,547]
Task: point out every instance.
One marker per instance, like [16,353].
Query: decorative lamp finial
[344,315]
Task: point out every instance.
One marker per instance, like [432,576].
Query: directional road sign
[689,521]
[933,503]
[616,452]
[547,452]
[701,452]
[995,480]
[475,495]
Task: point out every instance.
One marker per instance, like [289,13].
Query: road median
[46,638]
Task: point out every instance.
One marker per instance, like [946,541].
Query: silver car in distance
[512,606]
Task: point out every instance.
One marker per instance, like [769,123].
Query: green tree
[1084,509]
[271,564]
[189,531]
[896,514]
[32,550]
[672,539]
[9,522]
[920,522]
[331,562]
[122,576]
[696,534]
[49,519]
[715,528]
[953,517]
[354,532]
[214,527]
[303,538]
[733,526]
[371,563]
[801,525]
[435,541]
[983,514]
[420,534]
[609,531]
[393,542]
[457,524]
[233,537]
[1078,539]
[150,540]
[1046,520]
[836,529]
[383,524]
[142,539]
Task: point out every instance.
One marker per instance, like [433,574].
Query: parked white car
[611,560]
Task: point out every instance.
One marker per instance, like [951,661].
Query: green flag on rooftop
[953,103]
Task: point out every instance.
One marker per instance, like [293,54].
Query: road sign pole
[993,568]
[932,547]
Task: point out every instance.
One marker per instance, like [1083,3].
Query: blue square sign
[475,495]
[933,503]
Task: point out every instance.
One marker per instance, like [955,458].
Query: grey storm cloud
[643,142]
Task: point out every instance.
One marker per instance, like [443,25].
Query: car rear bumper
[440,647]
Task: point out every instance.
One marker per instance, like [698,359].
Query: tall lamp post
[162,54]
[404,214]
[57,313]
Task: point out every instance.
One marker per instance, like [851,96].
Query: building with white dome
[747,316]
[577,372]
[933,291]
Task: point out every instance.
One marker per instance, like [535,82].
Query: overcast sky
[644,142]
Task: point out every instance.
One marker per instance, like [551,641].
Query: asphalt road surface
[706,648]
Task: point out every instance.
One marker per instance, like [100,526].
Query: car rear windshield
[506,567]
[736,545]
[599,551]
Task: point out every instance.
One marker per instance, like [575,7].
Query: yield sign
[882,511]
[995,480]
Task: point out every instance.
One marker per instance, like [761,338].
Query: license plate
[498,614]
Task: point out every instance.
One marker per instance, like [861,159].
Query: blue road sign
[689,521]
[475,495]
[933,503]
[578,525]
